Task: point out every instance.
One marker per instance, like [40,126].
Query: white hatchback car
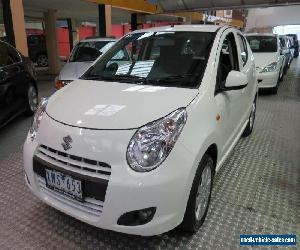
[269,61]
[133,147]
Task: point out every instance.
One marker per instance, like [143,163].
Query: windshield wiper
[121,77]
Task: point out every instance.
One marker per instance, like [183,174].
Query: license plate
[64,184]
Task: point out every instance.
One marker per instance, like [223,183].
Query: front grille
[93,174]
[89,205]
[74,163]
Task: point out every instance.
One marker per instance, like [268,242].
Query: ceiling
[179,5]
[80,10]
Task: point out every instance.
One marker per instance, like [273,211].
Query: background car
[295,44]
[268,59]
[81,58]
[18,89]
[133,146]
[285,44]
[37,49]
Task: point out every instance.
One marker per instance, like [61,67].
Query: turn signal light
[59,84]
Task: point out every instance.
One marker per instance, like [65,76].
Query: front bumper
[165,188]
[268,80]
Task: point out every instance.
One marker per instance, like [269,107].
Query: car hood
[113,105]
[73,70]
[264,59]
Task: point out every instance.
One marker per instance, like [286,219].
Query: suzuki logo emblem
[67,142]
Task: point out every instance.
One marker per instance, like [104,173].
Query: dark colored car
[37,49]
[295,44]
[18,88]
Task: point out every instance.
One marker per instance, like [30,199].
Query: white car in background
[137,144]
[286,50]
[81,58]
[269,60]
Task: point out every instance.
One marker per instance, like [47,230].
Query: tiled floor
[256,191]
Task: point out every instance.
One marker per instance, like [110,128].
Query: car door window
[14,55]
[228,60]
[243,47]
[3,55]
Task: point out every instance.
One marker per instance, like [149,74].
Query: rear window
[262,43]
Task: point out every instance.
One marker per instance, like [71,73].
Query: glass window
[228,59]
[157,58]
[244,51]
[262,43]
[88,51]
[3,55]
[8,55]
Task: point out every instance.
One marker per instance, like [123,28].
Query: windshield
[263,43]
[156,58]
[89,51]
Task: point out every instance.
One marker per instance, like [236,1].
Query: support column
[137,20]
[70,29]
[104,20]
[13,15]
[51,41]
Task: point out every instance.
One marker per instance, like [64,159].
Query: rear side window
[8,55]
[244,51]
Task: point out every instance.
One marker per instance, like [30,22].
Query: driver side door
[228,103]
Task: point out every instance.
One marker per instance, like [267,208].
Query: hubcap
[42,60]
[203,192]
[32,98]
[252,116]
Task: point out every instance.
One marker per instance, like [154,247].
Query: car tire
[196,210]
[31,100]
[42,60]
[249,128]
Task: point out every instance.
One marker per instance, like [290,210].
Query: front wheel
[31,100]
[200,195]
[249,128]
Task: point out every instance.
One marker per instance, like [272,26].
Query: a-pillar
[51,41]
[104,24]
[14,22]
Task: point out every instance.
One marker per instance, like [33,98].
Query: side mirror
[235,80]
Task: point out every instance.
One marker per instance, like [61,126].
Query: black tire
[249,128]
[30,107]
[190,222]
[42,60]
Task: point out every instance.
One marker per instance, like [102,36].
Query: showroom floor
[256,191]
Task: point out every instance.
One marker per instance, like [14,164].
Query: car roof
[195,27]
[96,39]
[261,34]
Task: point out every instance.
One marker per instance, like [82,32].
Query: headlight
[152,143]
[38,117]
[270,68]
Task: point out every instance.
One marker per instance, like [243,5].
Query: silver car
[81,58]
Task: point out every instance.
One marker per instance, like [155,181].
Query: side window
[8,55]
[244,51]
[228,60]
[3,55]
[14,55]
